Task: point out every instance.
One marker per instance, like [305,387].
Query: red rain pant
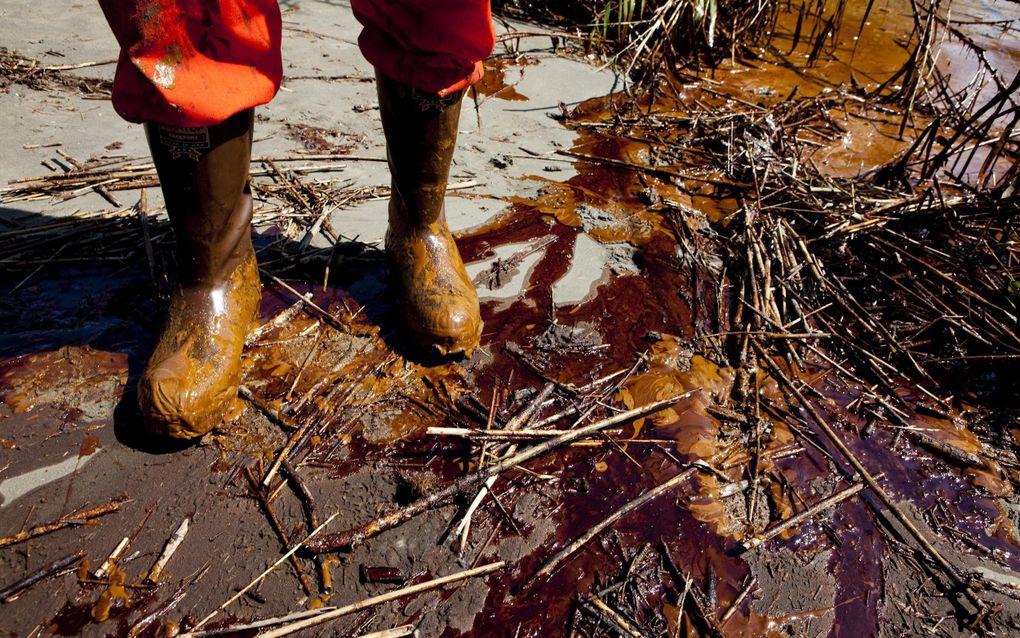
[197,62]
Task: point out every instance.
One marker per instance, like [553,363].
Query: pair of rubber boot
[190,382]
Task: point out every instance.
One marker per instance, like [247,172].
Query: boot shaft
[203,173]
[421,135]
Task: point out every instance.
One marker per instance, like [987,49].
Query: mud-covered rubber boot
[190,382]
[438,300]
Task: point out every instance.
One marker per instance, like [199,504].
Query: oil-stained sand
[613,266]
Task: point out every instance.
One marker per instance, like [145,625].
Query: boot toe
[457,328]
[173,408]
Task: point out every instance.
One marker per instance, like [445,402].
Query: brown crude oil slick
[494,82]
[374,403]
[43,377]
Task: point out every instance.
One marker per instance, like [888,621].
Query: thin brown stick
[295,436]
[159,613]
[274,417]
[795,520]
[597,529]
[74,519]
[330,319]
[308,503]
[735,605]
[9,592]
[274,522]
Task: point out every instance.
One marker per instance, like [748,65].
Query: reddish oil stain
[47,377]
[494,82]
[89,445]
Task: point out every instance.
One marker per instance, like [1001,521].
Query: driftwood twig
[74,519]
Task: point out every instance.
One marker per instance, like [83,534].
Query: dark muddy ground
[674,310]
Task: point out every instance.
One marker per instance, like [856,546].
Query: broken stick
[325,579]
[113,558]
[263,498]
[168,551]
[795,520]
[74,519]
[609,520]
[11,591]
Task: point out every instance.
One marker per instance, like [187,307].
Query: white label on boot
[184,141]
